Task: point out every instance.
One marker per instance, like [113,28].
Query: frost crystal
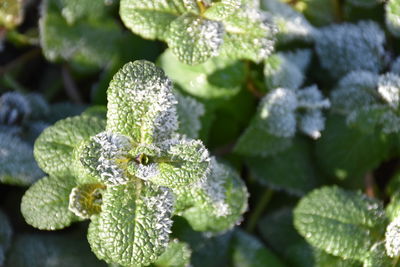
[109,153]
[344,47]
[389,88]
[392,236]
[163,204]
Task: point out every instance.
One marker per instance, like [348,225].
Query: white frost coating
[277,109]
[299,57]
[146,172]
[213,186]
[342,48]
[312,123]
[311,98]
[292,25]
[189,111]
[280,72]
[113,151]
[392,236]
[13,107]
[211,35]
[389,89]
[162,205]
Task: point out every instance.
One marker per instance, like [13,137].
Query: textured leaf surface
[323,259]
[392,238]
[291,170]
[347,153]
[134,224]
[222,9]
[249,35]
[177,254]
[150,19]
[248,251]
[141,104]
[85,200]
[194,39]
[341,223]
[45,204]
[216,203]
[17,165]
[51,250]
[87,42]
[219,77]
[53,148]
[378,257]
[190,112]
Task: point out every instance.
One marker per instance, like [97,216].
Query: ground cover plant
[200,133]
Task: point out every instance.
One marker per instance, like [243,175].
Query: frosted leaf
[194,39]
[134,225]
[250,34]
[311,98]
[106,157]
[223,9]
[392,237]
[14,108]
[312,123]
[300,57]
[277,109]
[392,17]
[85,200]
[291,24]
[189,113]
[342,48]
[17,164]
[354,90]
[141,104]
[389,89]
[390,122]
[280,72]
[378,256]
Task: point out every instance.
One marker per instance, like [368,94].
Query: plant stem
[258,210]
[369,184]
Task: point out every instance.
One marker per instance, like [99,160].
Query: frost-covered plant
[350,225]
[129,174]
[369,100]
[198,30]
[345,47]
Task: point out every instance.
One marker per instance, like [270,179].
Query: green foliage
[197,30]
[11,13]
[341,223]
[177,254]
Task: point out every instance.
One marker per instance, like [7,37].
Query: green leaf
[50,250]
[218,77]
[378,257]
[87,42]
[134,224]
[393,208]
[216,203]
[45,204]
[323,259]
[5,236]
[392,9]
[347,153]
[11,13]
[17,165]
[54,147]
[187,162]
[150,19]
[291,170]
[222,9]
[248,35]
[85,200]
[278,231]
[177,254]
[248,251]
[141,104]
[73,10]
[341,223]
[194,39]
[190,113]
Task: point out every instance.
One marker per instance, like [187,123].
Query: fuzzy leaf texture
[45,204]
[341,223]
[177,254]
[134,225]
[197,30]
[54,147]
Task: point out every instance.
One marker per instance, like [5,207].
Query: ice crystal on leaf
[392,238]
[121,173]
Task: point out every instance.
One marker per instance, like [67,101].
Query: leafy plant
[130,173]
